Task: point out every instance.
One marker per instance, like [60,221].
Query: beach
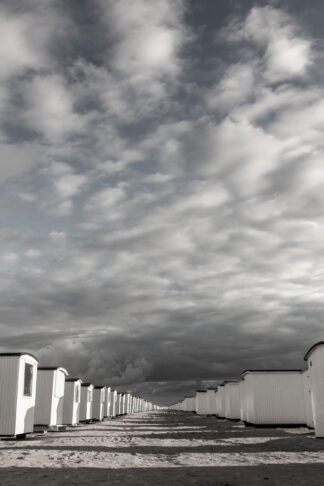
[162,448]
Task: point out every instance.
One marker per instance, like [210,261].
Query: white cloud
[18,158]
[286,54]
[50,107]
[64,184]
[17,52]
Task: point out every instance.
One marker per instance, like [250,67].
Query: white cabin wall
[68,403]
[232,401]
[9,407]
[44,396]
[202,403]
[276,398]
[58,398]
[26,405]
[308,399]
[315,368]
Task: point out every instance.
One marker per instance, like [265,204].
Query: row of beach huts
[268,397]
[33,397]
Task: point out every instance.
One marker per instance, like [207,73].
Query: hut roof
[270,371]
[309,352]
[53,368]
[19,354]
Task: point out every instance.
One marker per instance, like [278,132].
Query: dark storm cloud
[161,171]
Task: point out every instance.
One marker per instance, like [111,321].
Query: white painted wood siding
[275,398]
[243,405]
[71,403]
[98,403]
[220,401]
[26,404]
[232,401]
[44,397]
[113,395]
[211,399]
[201,403]
[308,399]
[86,402]
[108,402]
[316,373]
[16,410]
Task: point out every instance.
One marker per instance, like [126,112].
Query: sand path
[165,448]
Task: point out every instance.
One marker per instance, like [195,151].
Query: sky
[161,188]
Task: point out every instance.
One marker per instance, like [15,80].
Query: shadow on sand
[287,475]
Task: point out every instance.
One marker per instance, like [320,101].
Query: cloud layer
[162,223]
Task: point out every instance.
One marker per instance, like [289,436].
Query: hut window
[77,394]
[28,380]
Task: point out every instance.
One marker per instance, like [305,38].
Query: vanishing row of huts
[45,396]
[268,397]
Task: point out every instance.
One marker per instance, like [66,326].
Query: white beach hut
[127,403]
[113,405]
[123,404]
[274,397]
[86,402]
[50,396]
[232,400]
[18,375]
[107,405]
[71,402]
[211,400]
[315,362]
[98,405]
[220,401]
[119,404]
[243,402]
[201,402]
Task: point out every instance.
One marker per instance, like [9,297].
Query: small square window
[28,380]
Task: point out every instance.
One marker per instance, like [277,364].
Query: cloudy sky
[162,187]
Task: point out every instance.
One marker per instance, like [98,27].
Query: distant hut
[119,404]
[232,400]
[243,401]
[127,409]
[274,397]
[220,401]
[18,375]
[50,396]
[71,403]
[98,407]
[211,401]
[107,404]
[86,402]
[201,402]
[113,403]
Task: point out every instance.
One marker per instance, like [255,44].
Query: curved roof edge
[19,354]
[309,352]
[86,384]
[53,368]
[270,371]
[73,379]
[201,391]
[97,387]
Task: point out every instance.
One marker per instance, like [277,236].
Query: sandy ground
[165,448]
